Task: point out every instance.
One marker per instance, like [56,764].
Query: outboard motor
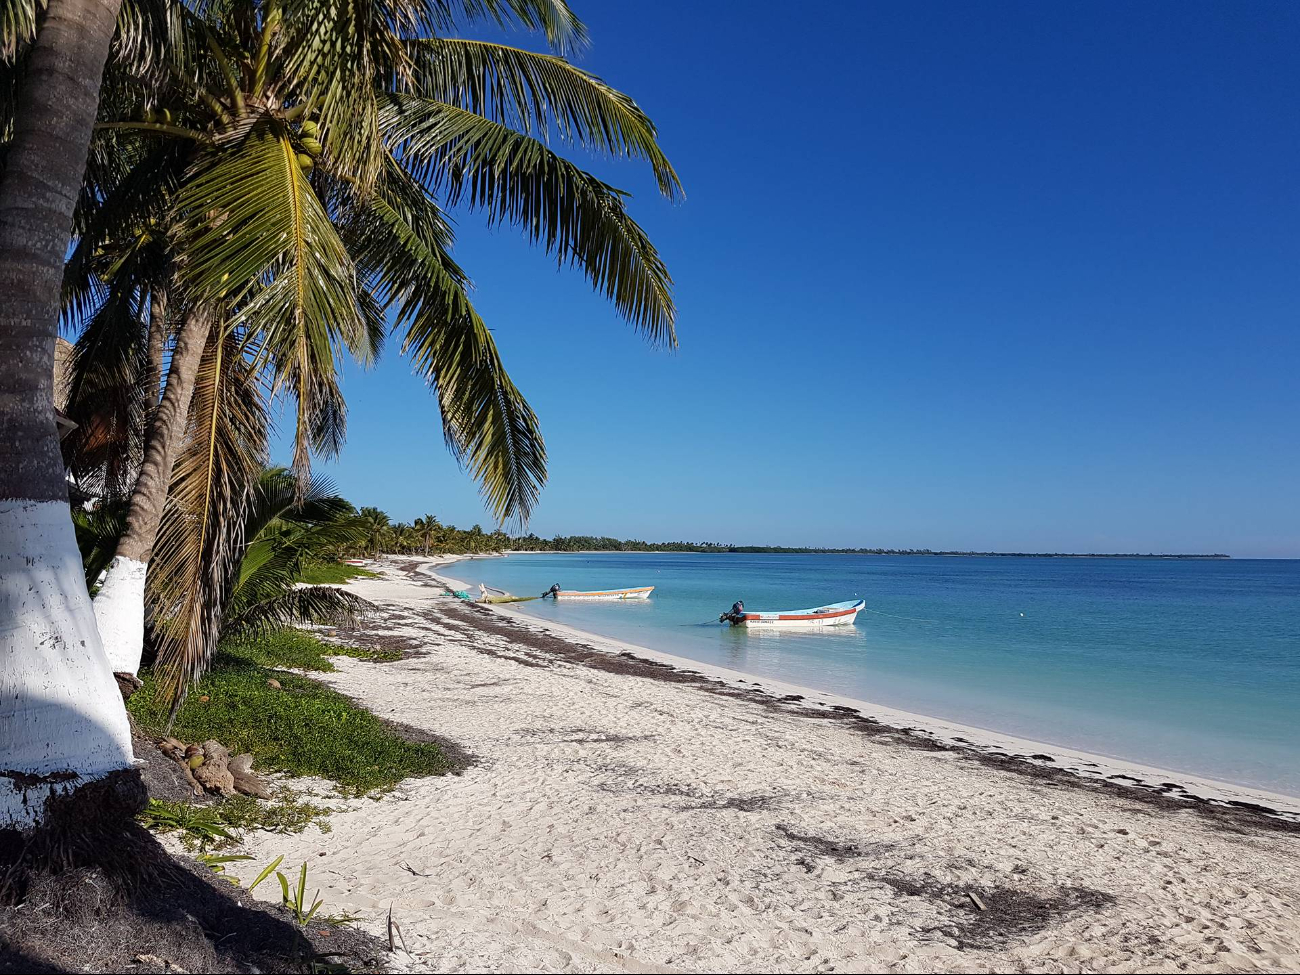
[734,615]
[552,591]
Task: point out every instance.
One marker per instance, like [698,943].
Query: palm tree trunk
[119,605]
[62,723]
[157,341]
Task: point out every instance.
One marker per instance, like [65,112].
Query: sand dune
[614,823]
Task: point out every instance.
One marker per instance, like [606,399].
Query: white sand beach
[622,816]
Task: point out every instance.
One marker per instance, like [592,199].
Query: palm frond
[247,213]
[537,92]
[374,321]
[199,541]
[106,397]
[276,502]
[327,44]
[564,32]
[322,605]
[282,533]
[327,47]
[514,178]
[255,233]
[18,25]
[143,34]
[327,420]
[489,427]
[121,212]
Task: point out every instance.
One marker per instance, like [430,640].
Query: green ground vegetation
[301,727]
[218,825]
[333,573]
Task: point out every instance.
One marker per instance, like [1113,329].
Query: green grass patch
[283,813]
[222,824]
[301,728]
[333,573]
[295,650]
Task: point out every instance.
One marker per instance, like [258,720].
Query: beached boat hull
[836,614]
[639,593]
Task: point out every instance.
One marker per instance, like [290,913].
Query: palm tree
[62,723]
[408,539]
[427,528]
[119,605]
[374,525]
[212,492]
[474,539]
[291,163]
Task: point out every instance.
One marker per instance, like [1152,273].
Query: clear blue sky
[1010,276]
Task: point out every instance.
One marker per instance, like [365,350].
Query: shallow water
[1187,665]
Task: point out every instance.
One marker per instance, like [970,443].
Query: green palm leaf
[281,532]
[326,44]
[517,179]
[564,31]
[248,213]
[293,606]
[97,535]
[143,32]
[277,506]
[537,92]
[255,234]
[120,221]
[398,237]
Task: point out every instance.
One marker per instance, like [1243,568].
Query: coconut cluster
[308,138]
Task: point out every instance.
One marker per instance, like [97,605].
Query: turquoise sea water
[1186,665]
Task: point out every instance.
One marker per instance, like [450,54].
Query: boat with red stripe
[832,614]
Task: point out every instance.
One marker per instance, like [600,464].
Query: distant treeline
[603,543]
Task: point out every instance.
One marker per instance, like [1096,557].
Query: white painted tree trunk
[119,612]
[119,604]
[62,723]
